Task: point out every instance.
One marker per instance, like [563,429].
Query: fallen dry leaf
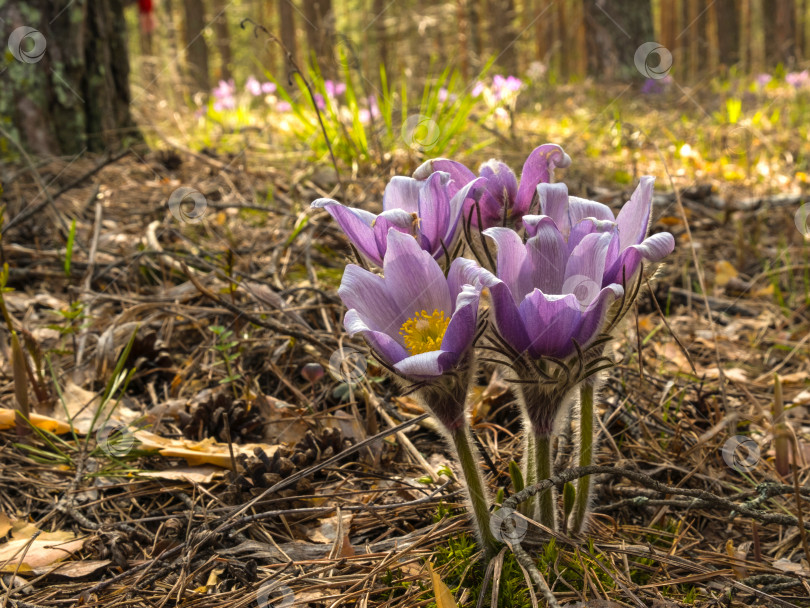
[44,550]
[444,599]
[41,422]
[197,453]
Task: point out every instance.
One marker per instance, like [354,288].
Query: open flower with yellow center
[419,323]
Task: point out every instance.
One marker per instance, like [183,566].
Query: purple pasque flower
[429,210]
[253,86]
[798,79]
[225,95]
[334,89]
[268,88]
[575,218]
[283,106]
[503,194]
[418,322]
[537,293]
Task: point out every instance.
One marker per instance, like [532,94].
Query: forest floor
[182,459]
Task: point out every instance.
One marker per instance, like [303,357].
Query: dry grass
[248,268]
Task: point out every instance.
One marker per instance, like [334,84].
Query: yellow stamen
[424,332]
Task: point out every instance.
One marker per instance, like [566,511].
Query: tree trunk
[476,47]
[728,31]
[319,24]
[502,34]
[617,30]
[223,38]
[286,18]
[196,49]
[66,76]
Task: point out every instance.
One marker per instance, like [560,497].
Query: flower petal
[413,278]
[459,174]
[634,217]
[385,346]
[461,329]
[356,225]
[434,211]
[462,272]
[502,184]
[507,318]
[367,294]
[554,204]
[551,321]
[548,254]
[653,249]
[460,203]
[594,316]
[427,365]
[514,266]
[587,260]
[580,208]
[402,193]
[538,169]
[393,218]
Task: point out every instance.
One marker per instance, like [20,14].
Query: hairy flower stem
[528,507]
[583,496]
[468,458]
[542,460]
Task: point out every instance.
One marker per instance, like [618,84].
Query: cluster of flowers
[226,96]
[501,95]
[334,90]
[565,273]
[797,80]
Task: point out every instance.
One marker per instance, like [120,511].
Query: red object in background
[147,15]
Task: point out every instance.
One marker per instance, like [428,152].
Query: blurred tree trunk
[728,31]
[196,48]
[286,19]
[476,47]
[462,38]
[381,38]
[223,38]
[780,32]
[540,16]
[66,81]
[617,29]
[502,34]
[320,28]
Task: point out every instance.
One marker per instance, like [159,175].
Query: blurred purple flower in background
[798,79]
[656,86]
[479,88]
[268,88]
[253,86]
[763,79]
[224,96]
[320,102]
[334,89]
[502,189]
[283,106]
[505,87]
